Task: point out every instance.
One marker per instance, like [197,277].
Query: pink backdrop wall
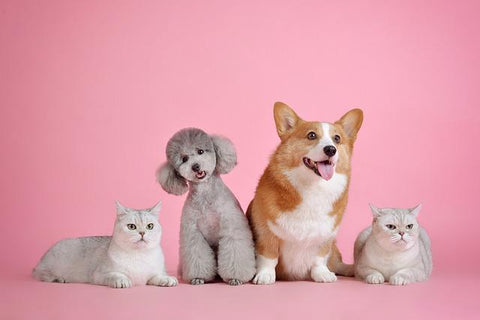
[90,92]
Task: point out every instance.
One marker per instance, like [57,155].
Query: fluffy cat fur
[394,249]
[131,256]
[214,234]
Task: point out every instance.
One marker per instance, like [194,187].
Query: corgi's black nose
[330,151]
[196,167]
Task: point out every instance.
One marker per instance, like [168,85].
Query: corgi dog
[301,197]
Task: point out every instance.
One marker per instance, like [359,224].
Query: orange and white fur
[301,197]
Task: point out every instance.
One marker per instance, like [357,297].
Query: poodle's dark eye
[336,138]
[184,159]
[150,226]
[390,226]
[131,226]
[409,226]
[312,135]
[200,151]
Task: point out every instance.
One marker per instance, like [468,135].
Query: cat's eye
[336,138]
[200,151]
[391,226]
[312,135]
[150,226]
[131,226]
[184,159]
[409,226]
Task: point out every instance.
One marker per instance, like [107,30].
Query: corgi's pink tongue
[326,170]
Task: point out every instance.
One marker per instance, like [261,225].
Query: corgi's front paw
[375,278]
[323,275]
[265,276]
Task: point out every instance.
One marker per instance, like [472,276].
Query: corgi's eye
[312,135]
[200,151]
[131,226]
[184,159]
[150,226]
[409,226]
[390,226]
[336,138]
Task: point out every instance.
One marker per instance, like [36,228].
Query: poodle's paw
[234,282]
[119,282]
[375,278]
[323,275]
[399,280]
[265,276]
[163,281]
[197,281]
[59,280]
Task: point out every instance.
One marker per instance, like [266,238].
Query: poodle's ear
[170,180]
[226,154]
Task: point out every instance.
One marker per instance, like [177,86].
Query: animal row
[288,231]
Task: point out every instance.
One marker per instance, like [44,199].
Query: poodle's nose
[196,167]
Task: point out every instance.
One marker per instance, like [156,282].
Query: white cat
[132,256]
[394,249]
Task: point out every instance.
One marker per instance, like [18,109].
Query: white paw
[265,276]
[323,275]
[120,282]
[164,281]
[375,278]
[399,280]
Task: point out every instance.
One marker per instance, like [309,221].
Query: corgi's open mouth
[200,175]
[324,169]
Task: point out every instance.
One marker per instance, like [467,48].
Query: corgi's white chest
[311,219]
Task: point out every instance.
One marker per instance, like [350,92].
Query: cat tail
[426,252]
[336,264]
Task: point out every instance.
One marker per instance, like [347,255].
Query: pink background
[91,91]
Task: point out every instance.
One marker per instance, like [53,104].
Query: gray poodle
[214,234]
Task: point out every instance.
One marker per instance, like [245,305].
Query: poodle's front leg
[236,255]
[197,258]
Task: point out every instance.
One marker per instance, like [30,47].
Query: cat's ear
[170,180]
[375,211]
[121,210]
[351,122]
[416,210]
[225,153]
[155,210]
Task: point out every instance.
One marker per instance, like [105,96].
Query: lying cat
[394,249]
[131,256]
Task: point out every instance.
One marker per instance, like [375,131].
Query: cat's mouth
[200,175]
[324,168]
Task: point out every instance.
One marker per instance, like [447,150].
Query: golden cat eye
[150,226]
[409,226]
[131,226]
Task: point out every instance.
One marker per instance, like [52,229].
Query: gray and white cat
[394,249]
[131,256]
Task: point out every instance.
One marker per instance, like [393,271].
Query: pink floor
[444,296]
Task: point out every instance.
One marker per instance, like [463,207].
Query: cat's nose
[196,167]
[401,233]
[330,151]
[142,233]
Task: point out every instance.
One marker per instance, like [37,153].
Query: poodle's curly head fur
[193,155]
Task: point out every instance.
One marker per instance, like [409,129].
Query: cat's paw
[323,275]
[265,276]
[234,282]
[163,281]
[197,281]
[375,278]
[119,282]
[399,280]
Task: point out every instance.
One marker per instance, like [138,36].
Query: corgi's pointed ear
[415,210]
[170,180]
[285,118]
[351,122]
